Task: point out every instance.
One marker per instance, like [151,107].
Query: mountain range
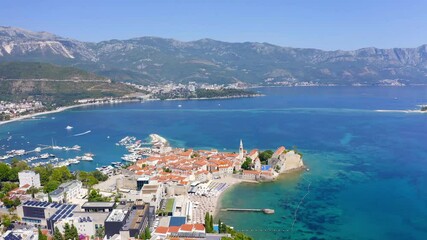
[158,60]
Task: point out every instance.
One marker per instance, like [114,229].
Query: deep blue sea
[368,169]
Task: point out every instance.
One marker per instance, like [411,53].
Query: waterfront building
[183,231]
[278,152]
[250,175]
[257,164]
[29,177]
[67,192]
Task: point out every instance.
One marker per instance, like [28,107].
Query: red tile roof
[186,227]
[161,230]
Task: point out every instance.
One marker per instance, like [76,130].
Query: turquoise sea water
[368,169]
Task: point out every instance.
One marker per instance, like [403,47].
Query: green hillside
[60,86]
[36,70]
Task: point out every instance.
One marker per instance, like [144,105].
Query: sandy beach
[212,204]
[60,109]
[46,112]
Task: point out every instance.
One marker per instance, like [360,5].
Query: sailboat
[55,146]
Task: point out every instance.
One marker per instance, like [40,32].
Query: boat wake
[400,111]
[81,134]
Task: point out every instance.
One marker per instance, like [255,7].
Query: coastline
[61,109]
[233,182]
[213,98]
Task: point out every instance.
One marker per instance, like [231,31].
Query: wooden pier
[264,210]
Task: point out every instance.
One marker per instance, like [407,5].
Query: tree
[223,228]
[49,198]
[207,224]
[57,234]
[100,232]
[4,172]
[95,196]
[20,165]
[211,224]
[142,236]
[247,164]
[50,186]
[87,179]
[68,232]
[147,233]
[265,155]
[9,203]
[61,174]
[7,186]
[219,225]
[99,176]
[74,233]
[32,190]
[45,173]
[5,220]
[41,236]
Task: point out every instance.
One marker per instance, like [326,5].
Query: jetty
[263,210]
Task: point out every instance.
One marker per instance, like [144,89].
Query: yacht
[69,127]
[87,157]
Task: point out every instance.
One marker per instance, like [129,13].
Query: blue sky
[324,24]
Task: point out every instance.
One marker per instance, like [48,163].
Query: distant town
[163,193]
[10,110]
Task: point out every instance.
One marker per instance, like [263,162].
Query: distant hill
[54,85]
[154,60]
[36,70]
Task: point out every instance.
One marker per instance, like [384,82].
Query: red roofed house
[278,152]
[250,174]
[253,154]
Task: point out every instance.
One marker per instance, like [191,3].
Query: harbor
[53,154]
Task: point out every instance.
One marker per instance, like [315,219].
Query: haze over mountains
[158,60]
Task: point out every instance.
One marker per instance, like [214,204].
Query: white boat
[76,147]
[129,158]
[73,161]
[37,149]
[87,157]
[69,127]
[44,156]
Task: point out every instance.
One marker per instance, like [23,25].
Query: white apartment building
[29,177]
[67,192]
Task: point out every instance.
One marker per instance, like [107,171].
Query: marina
[41,155]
